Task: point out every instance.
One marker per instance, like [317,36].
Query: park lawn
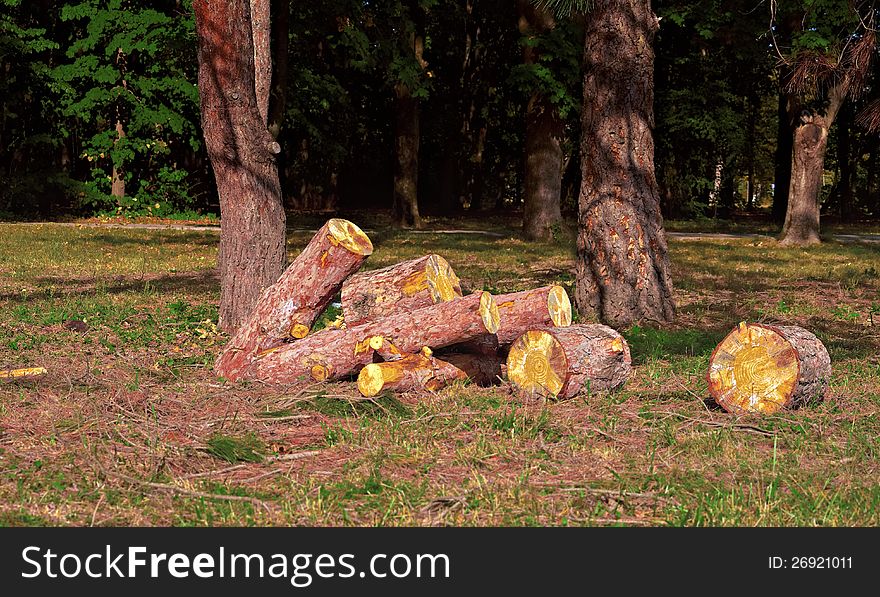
[130,427]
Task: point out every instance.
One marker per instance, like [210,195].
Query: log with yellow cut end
[421,371]
[761,368]
[286,310]
[24,373]
[412,284]
[561,362]
[343,352]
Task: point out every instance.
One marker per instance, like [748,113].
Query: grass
[130,427]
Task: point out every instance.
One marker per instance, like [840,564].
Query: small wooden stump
[763,368]
[333,354]
[287,309]
[405,286]
[420,372]
[559,363]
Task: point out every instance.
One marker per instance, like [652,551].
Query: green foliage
[129,67]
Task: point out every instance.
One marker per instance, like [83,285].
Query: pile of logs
[409,327]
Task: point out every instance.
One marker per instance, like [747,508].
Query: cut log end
[559,307]
[537,364]
[370,380]
[348,235]
[443,284]
[756,368]
[489,312]
[299,331]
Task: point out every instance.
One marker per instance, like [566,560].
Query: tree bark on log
[623,262]
[763,368]
[242,152]
[561,362]
[420,372]
[408,285]
[287,309]
[332,354]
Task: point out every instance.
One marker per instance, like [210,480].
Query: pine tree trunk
[261,28]
[809,143]
[543,141]
[622,265]
[406,153]
[242,152]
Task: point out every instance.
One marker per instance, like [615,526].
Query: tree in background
[549,74]
[242,151]
[822,69]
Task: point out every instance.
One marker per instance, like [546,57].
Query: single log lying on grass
[421,371]
[287,309]
[27,373]
[519,312]
[332,354]
[562,361]
[764,368]
[421,282]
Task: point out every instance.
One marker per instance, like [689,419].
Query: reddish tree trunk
[543,141]
[810,141]
[622,265]
[242,152]
[261,27]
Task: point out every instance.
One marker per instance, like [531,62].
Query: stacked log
[333,354]
[286,310]
[422,371]
[561,362]
[762,368]
[408,285]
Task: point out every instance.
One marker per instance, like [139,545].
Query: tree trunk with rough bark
[623,265]
[543,141]
[414,372]
[562,362]
[406,153]
[333,354]
[810,140]
[242,152]
[762,369]
[288,308]
[405,286]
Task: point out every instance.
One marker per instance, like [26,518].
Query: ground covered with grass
[129,426]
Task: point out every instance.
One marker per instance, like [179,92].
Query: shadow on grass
[646,343]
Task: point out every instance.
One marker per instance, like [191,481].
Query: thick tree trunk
[288,308]
[252,236]
[332,354]
[622,265]
[543,141]
[782,170]
[761,368]
[562,362]
[405,286]
[406,153]
[809,143]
